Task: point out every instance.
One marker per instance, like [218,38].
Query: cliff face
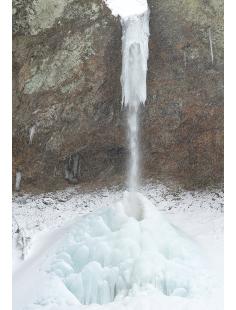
[68,125]
[184,117]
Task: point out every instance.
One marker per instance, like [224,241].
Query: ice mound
[110,254]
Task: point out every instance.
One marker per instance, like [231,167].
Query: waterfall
[133,80]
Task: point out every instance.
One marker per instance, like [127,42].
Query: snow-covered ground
[41,222]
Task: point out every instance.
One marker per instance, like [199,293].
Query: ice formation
[133,80]
[72,168]
[162,245]
[109,255]
[134,59]
[18,180]
[211,46]
[31,134]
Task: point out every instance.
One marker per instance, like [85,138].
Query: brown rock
[66,84]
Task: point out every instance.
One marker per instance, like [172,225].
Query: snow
[181,234]
[125,8]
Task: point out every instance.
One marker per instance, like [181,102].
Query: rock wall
[68,125]
[184,117]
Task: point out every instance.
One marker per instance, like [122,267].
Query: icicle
[76,166]
[211,46]
[72,168]
[18,180]
[31,134]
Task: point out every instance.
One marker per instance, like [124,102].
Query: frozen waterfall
[127,250]
[133,80]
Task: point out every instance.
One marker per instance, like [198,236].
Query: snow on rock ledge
[125,8]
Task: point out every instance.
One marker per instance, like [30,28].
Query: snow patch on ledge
[125,8]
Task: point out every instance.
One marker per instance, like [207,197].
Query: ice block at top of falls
[125,8]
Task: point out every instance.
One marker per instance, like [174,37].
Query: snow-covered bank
[41,222]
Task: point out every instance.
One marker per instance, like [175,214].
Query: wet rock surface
[67,94]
